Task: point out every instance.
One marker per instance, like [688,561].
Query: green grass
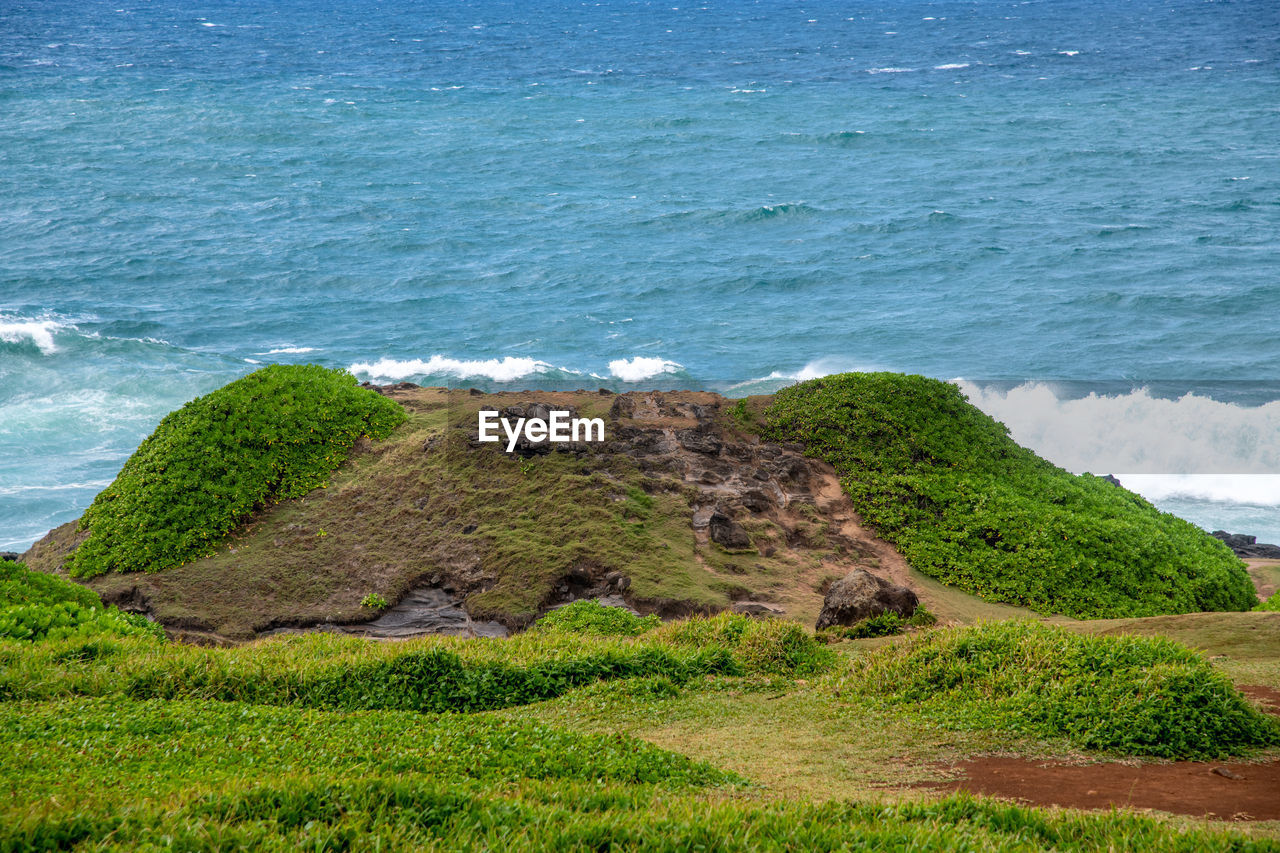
[965,504]
[36,606]
[428,675]
[274,434]
[1121,694]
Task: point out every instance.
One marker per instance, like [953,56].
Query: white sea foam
[289,350]
[952,66]
[889,70]
[1138,434]
[15,330]
[500,370]
[640,368]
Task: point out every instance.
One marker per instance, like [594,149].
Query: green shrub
[592,617]
[965,504]
[1126,694]
[37,606]
[374,601]
[776,646]
[274,434]
[1272,604]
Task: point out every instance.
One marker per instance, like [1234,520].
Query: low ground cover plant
[37,606]
[1122,694]
[591,617]
[1271,605]
[967,505]
[882,625]
[274,434]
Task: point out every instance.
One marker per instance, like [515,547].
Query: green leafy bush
[274,434]
[37,606]
[1127,694]
[374,601]
[1271,605]
[965,504]
[592,617]
[777,646]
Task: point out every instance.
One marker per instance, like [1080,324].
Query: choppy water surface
[1063,203]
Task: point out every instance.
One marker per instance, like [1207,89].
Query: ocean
[1070,207]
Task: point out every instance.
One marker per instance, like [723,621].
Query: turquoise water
[1062,203]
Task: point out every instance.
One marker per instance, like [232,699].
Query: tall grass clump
[1123,694]
[274,434]
[37,606]
[964,503]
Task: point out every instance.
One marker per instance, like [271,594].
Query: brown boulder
[860,595]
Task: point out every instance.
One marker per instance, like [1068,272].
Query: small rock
[1225,773]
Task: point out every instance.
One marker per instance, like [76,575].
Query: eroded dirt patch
[1216,790]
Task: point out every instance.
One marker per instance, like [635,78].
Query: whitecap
[889,70]
[951,66]
[288,350]
[1137,433]
[40,332]
[504,369]
[641,367]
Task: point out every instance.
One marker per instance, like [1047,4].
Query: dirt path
[1222,791]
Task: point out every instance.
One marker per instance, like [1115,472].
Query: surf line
[559,427]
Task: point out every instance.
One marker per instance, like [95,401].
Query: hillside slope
[683,508]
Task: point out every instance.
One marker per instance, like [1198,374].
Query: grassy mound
[1125,694]
[274,434]
[967,505]
[36,606]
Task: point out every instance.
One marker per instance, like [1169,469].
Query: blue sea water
[1072,206]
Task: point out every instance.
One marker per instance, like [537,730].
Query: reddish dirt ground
[1187,787]
[1210,789]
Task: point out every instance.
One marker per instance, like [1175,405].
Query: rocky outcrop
[1248,547]
[860,595]
[8,556]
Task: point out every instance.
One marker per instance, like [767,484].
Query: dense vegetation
[329,743]
[429,675]
[1271,605]
[967,505]
[37,606]
[1126,694]
[274,434]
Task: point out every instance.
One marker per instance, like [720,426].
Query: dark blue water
[501,194]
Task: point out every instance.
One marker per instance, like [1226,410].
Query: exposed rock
[757,608]
[426,611]
[9,556]
[860,595]
[1111,478]
[1248,547]
[386,390]
[727,532]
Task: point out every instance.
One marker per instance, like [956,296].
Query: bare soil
[1214,790]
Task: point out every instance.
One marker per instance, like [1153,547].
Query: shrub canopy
[274,434]
[964,503]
